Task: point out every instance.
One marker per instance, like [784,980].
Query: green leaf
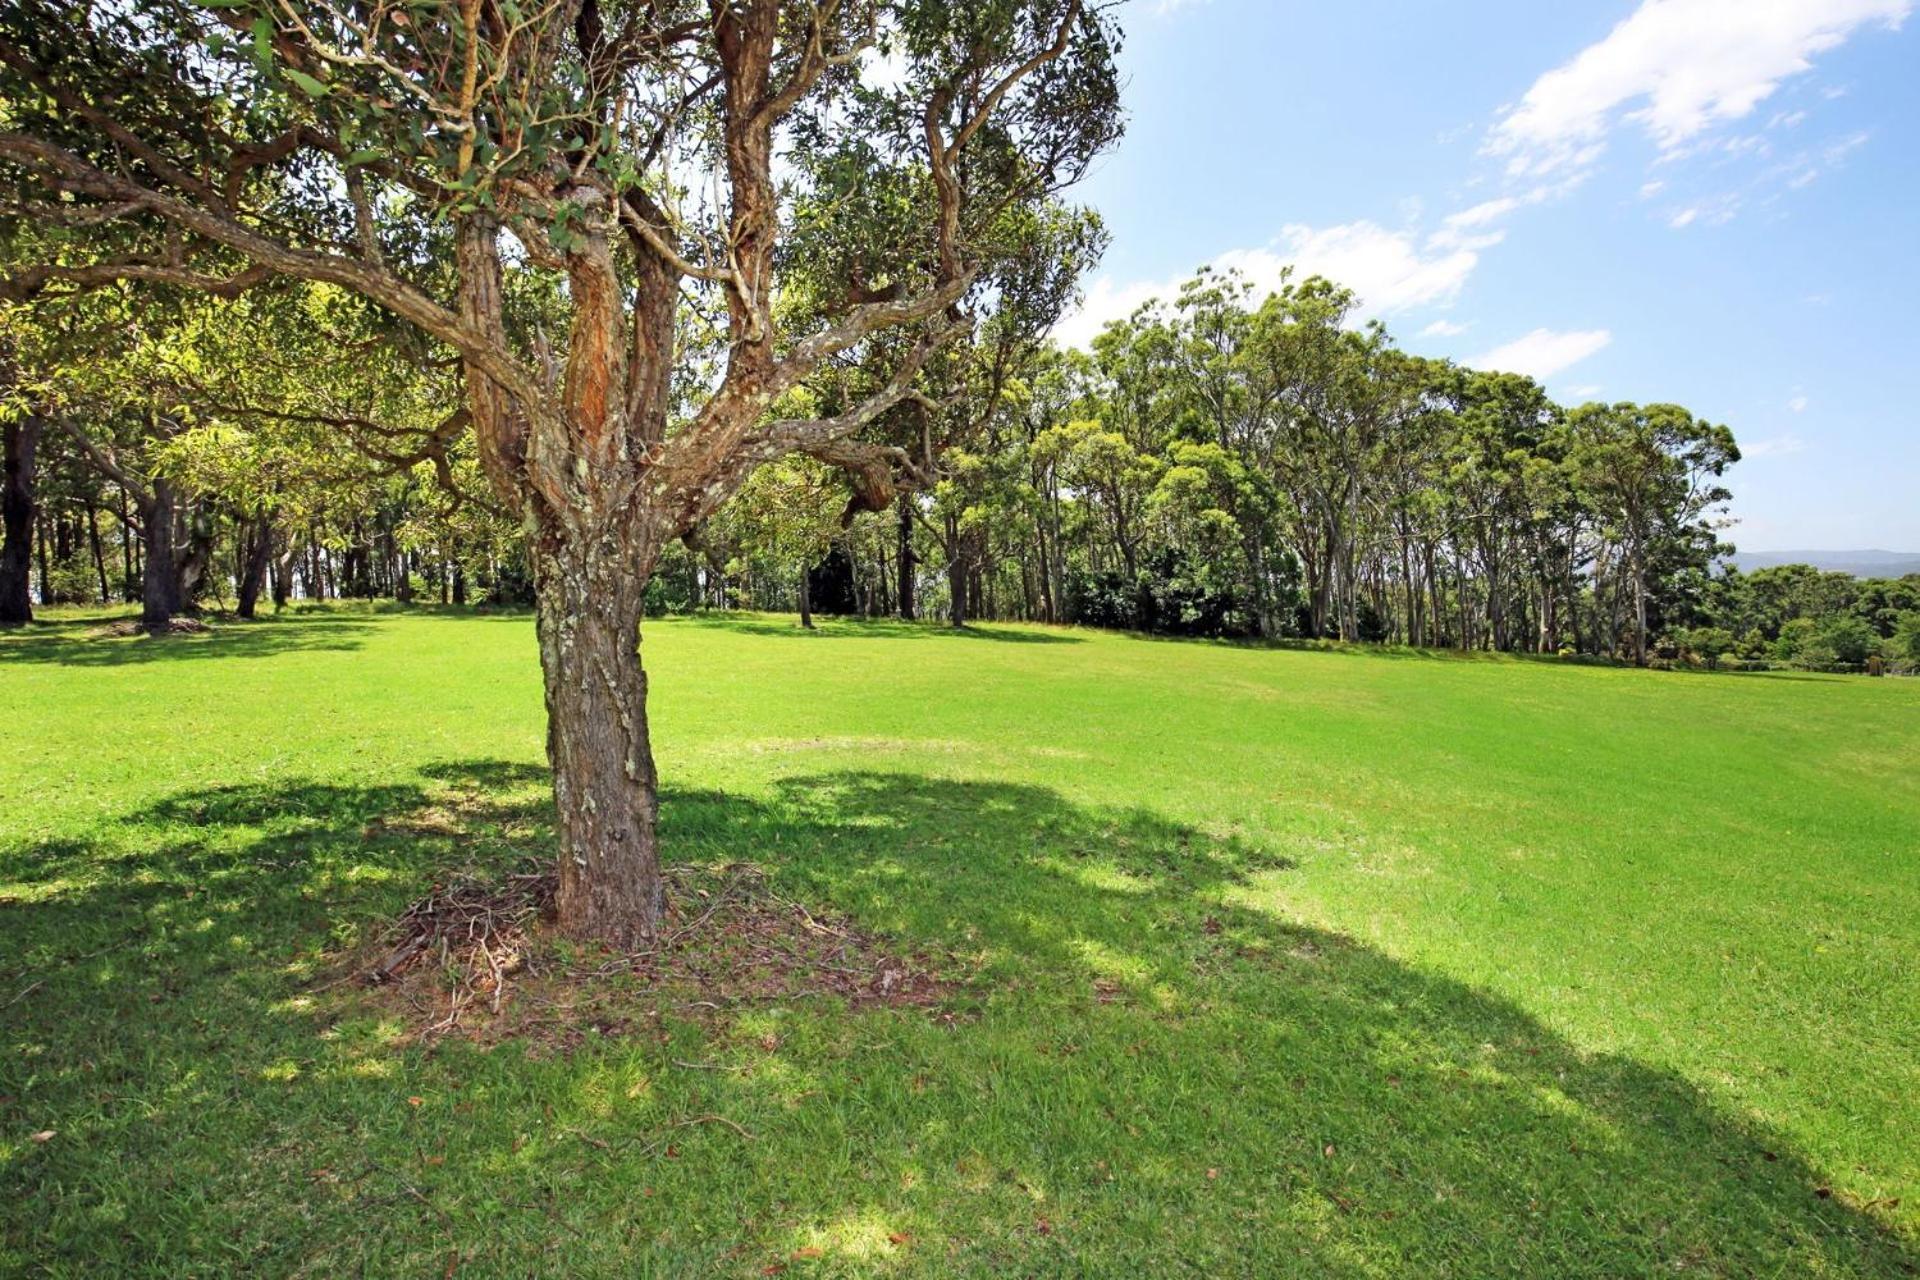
[308,85]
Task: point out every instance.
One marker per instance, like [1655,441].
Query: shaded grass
[1287,965]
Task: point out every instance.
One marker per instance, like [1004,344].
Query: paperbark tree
[434,156]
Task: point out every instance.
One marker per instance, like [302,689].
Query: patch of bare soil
[480,961]
[134,627]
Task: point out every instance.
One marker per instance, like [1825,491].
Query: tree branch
[375,283]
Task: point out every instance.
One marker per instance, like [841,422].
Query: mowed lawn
[1274,962]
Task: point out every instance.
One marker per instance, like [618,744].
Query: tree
[445,159]
[1652,475]
[790,512]
[1906,638]
[22,439]
[1850,639]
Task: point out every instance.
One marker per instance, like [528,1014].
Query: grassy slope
[1455,966]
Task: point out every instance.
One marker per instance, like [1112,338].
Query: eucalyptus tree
[424,154]
[1502,419]
[1326,411]
[1652,476]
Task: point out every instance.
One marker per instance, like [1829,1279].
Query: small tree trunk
[256,549]
[1639,614]
[99,556]
[604,788]
[806,597]
[43,537]
[126,549]
[16,521]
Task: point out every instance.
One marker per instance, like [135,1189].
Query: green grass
[1405,965]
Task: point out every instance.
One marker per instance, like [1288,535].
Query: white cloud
[1799,404]
[1481,214]
[1389,271]
[1105,302]
[1648,190]
[1714,211]
[1544,352]
[1444,329]
[1676,68]
[1840,148]
[1584,394]
[1778,447]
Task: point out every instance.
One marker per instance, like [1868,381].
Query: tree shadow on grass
[839,628]
[1147,1075]
[87,642]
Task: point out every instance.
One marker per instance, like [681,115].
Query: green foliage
[1848,638]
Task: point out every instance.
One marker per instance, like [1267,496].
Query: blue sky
[1709,202]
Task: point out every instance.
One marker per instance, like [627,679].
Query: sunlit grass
[1311,962]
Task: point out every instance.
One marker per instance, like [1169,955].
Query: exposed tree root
[478,960]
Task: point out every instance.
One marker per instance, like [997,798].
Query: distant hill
[1861,564]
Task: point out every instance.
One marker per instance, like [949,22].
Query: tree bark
[256,549]
[126,548]
[16,515]
[604,787]
[956,576]
[160,596]
[99,556]
[904,559]
[806,597]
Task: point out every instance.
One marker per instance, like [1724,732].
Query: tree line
[1213,466]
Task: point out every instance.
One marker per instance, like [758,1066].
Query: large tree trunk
[160,595]
[905,558]
[604,788]
[16,515]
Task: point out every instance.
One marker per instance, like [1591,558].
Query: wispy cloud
[1544,352]
[1674,68]
[1444,329]
[1777,447]
[1799,404]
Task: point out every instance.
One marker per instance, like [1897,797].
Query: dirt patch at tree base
[480,961]
[134,627]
